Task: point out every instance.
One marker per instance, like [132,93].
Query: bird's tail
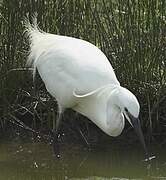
[34,35]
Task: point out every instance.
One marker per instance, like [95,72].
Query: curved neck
[98,107]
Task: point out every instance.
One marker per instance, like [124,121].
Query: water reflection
[35,161]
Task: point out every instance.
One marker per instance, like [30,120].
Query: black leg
[56,143]
[56,134]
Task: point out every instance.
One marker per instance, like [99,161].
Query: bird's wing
[77,63]
[78,95]
[66,64]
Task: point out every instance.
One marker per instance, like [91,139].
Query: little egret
[80,77]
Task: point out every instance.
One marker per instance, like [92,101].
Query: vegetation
[131,33]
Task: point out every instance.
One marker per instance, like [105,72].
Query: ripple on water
[102,178]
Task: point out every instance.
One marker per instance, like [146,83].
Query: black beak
[138,130]
[137,127]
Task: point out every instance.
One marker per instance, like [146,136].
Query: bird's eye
[126,109]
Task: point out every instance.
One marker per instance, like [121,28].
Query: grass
[131,33]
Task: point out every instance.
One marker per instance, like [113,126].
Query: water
[36,161]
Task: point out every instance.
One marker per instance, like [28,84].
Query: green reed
[131,33]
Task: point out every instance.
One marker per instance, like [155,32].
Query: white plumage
[80,77]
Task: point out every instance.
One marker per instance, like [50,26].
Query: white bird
[80,77]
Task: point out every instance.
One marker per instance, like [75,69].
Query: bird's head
[129,106]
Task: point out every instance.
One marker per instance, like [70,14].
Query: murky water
[36,161]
